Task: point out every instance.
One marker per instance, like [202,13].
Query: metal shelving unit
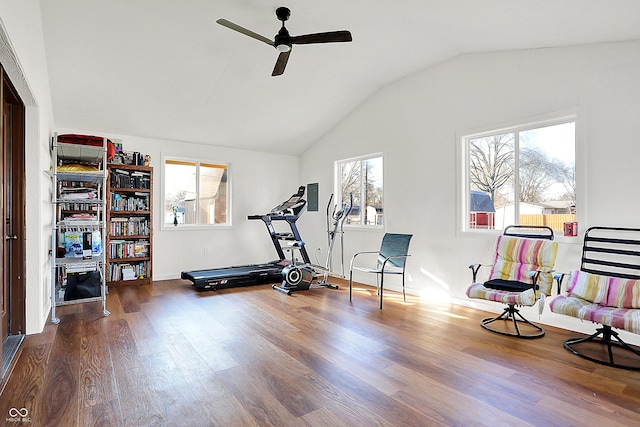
[96,157]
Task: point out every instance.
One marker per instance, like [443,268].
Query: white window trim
[194,227]
[337,181]
[462,159]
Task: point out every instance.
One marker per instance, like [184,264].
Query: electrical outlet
[205,250]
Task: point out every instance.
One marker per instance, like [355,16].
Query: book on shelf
[128,273]
[121,178]
[129,226]
[122,249]
[139,270]
[141,248]
[123,202]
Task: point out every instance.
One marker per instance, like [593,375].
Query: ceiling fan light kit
[283,42]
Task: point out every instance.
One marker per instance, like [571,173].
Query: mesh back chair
[392,258]
[522,274]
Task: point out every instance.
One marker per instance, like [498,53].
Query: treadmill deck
[241,275]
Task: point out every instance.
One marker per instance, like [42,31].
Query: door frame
[17,292]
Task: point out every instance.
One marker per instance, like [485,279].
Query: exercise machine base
[300,278]
[242,275]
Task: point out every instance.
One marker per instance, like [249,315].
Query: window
[523,175]
[362,178]
[196,193]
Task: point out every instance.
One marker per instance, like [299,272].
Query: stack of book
[131,226]
[121,178]
[122,202]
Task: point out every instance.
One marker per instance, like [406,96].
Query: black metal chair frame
[597,249]
[395,259]
[511,312]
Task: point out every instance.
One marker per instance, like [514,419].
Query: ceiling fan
[283,41]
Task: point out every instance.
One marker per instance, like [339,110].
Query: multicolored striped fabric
[610,301]
[589,287]
[627,319]
[478,290]
[623,293]
[515,258]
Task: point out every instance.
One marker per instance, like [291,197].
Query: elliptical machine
[298,277]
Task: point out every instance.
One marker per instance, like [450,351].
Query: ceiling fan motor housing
[282,40]
[283,13]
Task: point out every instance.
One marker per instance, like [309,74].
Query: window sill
[183,227]
[370,228]
[479,234]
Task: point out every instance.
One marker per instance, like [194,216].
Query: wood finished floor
[170,356]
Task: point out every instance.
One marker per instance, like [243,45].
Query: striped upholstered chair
[521,274]
[605,291]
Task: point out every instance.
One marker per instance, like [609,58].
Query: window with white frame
[196,193]
[520,175]
[362,179]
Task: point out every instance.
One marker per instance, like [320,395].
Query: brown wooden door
[4,255]
[12,209]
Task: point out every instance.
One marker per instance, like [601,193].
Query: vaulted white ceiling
[165,69]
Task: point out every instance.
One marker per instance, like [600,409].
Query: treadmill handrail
[275,217]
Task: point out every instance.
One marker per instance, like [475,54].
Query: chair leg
[510,313]
[381,288]
[350,284]
[607,335]
[404,293]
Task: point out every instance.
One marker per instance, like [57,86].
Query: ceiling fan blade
[244,31]
[281,63]
[330,37]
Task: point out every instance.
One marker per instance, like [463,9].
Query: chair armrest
[536,273]
[559,277]
[474,269]
[358,254]
[384,263]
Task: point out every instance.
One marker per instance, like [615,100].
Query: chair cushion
[623,293]
[508,285]
[620,318]
[480,291]
[588,286]
[572,306]
[516,257]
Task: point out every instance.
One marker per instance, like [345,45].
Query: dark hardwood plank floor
[170,356]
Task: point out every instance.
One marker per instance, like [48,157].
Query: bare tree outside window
[538,173]
[363,179]
[491,163]
[529,174]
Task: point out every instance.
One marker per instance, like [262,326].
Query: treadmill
[254,274]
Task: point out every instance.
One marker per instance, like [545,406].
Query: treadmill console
[293,206]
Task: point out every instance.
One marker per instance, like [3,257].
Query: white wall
[415,123]
[259,181]
[23,57]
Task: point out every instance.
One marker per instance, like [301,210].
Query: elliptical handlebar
[339,215]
